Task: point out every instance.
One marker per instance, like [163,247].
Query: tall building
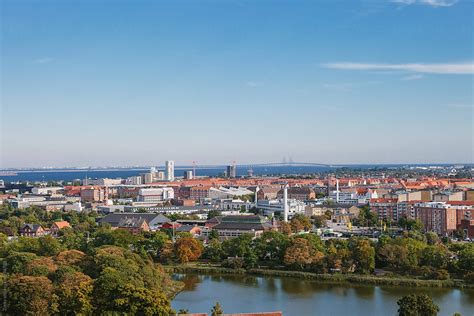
[169,166]
[188,175]
[231,171]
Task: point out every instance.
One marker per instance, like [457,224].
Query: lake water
[241,293]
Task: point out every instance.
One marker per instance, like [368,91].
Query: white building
[137,180]
[155,195]
[228,193]
[188,175]
[102,182]
[269,207]
[169,165]
[46,190]
[160,175]
[147,178]
[231,204]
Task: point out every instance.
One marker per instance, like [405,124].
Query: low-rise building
[133,224]
[268,192]
[298,193]
[32,230]
[236,225]
[57,226]
[47,190]
[102,182]
[155,195]
[153,220]
[228,193]
[191,229]
[276,207]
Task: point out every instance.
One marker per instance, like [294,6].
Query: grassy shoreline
[329,278]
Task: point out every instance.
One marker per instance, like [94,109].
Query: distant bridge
[268,164]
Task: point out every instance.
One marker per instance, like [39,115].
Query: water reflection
[244,293]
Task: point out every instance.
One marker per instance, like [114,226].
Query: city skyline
[88,83]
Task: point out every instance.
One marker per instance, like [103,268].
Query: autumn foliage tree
[188,249]
[29,295]
[301,254]
[74,291]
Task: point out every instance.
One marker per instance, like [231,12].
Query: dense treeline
[415,254]
[86,270]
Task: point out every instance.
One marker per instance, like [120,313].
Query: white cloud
[432,3]
[450,68]
[43,60]
[413,77]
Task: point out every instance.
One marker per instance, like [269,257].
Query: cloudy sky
[137,82]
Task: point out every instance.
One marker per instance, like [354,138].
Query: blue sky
[137,82]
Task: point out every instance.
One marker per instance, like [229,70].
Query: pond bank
[332,278]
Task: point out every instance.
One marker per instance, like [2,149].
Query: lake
[243,293]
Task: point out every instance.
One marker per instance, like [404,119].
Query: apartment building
[385,208]
[438,217]
[199,192]
[94,194]
[298,193]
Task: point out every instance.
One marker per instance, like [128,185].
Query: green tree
[217,310]
[152,243]
[214,234]
[363,254]
[213,213]
[48,246]
[132,300]
[18,261]
[435,256]
[432,238]
[466,259]
[417,305]
[271,246]
[394,256]
[213,250]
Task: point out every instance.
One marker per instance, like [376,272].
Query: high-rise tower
[169,166]
[285,203]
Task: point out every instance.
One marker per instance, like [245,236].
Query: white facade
[147,178]
[155,195]
[46,190]
[227,193]
[230,204]
[269,207]
[188,175]
[169,165]
[161,175]
[137,180]
[102,182]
